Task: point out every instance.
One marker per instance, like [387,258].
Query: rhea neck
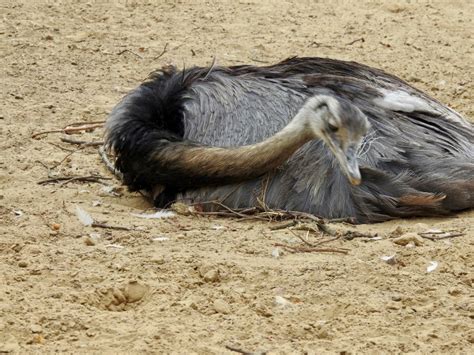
[201,165]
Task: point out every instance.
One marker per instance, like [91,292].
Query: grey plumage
[416,159]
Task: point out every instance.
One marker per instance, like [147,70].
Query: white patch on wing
[399,100]
[403,101]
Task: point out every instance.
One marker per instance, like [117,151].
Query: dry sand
[207,283]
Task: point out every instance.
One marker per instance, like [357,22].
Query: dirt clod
[36,328]
[135,291]
[221,306]
[407,238]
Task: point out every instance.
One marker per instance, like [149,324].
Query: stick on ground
[70,129]
[302,249]
[67,179]
[82,143]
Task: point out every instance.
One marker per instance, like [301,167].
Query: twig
[70,129]
[434,232]
[235,212]
[259,60]
[130,51]
[228,214]
[282,225]
[305,215]
[42,164]
[67,156]
[316,244]
[244,352]
[355,41]
[263,195]
[91,178]
[162,52]
[81,123]
[321,227]
[107,226]
[349,235]
[249,210]
[68,179]
[237,350]
[327,241]
[302,239]
[244,214]
[350,220]
[84,127]
[440,237]
[81,143]
[46,167]
[306,227]
[301,249]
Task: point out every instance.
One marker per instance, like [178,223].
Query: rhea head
[342,126]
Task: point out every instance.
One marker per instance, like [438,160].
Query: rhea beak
[348,161]
[352,167]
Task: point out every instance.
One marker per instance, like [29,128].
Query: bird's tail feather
[147,119]
[430,190]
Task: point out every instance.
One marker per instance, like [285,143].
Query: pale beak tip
[355,181]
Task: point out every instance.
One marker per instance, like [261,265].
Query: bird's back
[417,159]
[414,139]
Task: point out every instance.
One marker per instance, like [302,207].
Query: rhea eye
[332,127]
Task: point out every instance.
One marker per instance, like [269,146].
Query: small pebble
[158,259]
[22,263]
[263,311]
[37,339]
[282,301]
[160,239]
[323,334]
[36,328]
[192,302]
[393,305]
[209,273]
[89,241]
[182,209]
[470,337]
[135,291]
[211,276]
[221,306]
[389,259]
[398,231]
[408,238]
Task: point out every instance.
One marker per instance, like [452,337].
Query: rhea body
[328,137]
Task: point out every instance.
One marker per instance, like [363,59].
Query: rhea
[328,137]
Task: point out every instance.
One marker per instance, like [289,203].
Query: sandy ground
[199,284]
